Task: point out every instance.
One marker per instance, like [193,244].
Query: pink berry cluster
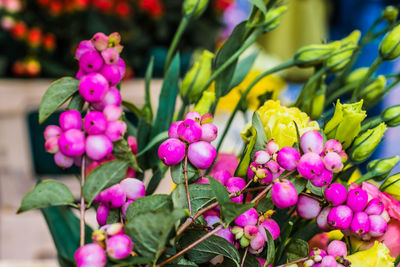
[118,196]
[191,137]
[353,212]
[335,256]
[101,68]
[108,240]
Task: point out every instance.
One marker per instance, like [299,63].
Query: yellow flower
[278,122]
[269,83]
[377,256]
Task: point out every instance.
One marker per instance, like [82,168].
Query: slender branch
[82,204]
[293,262]
[183,251]
[187,185]
[244,257]
[313,197]
[262,194]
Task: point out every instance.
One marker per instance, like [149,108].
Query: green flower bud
[205,102]
[381,168]
[391,116]
[392,186]
[244,242]
[390,13]
[318,103]
[373,90]
[273,18]
[356,75]
[345,123]
[314,54]
[365,144]
[340,58]
[197,7]
[197,77]
[390,45]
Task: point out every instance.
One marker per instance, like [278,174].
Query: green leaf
[201,196]
[298,183]
[46,193]
[149,231]
[104,176]
[132,107]
[250,261]
[231,45]
[260,5]
[178,175]
[143,136]
[113,216]
[270,249]
[158,174]
[219,190]
[122,151]
[231,210]
[181,262]
[179,197]
[148,204]
[147,98]
[241,170]
[131,261]
[261,138]
[319,191]
[56,95]
[156,139]
[243,68]
[208,249]
[297,249]
[265,203]
[76,102]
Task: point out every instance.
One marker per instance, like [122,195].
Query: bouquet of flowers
[295,185]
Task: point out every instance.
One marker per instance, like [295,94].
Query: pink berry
[310,165]
[171,151]
[251,170]
[312,141]
[93,87]
[340,217]
[91,61]
[208,132]
[102,214]
[374,207]
[173,130]
[271,226]
[235,189]
[307,207]
[97,198]
[332,145]
[257,242]
[328,261]
[112,97]
[249,217]
[110,56]
[72,143]
[323,179]
[121,66]
[63,161]
[112,112]
[134,188]
[189,131]
[226,234]
[212,220]
[250,231]
[333,162]
[119,246]
[100,41]
[116,130]
[83,47]
[222,176]
[111,73]
[201,154]
[113,229]
[261,157]
[113,197]
[317,251]
[284,194]
[193,115]
[236,181]
[206,118]
[98,146]
[80,74]
[132,144]
[265,176]
[90,255]
[51,145]
[337,249]
[273,166]
[203,180]
[52,131]
[322,219]
[272,147]
[95,123]
[360,223]
[70,119]
[336,194]
[378,225]
[125,206]
[357,199]
[288,157]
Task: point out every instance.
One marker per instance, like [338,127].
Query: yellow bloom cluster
[377,256]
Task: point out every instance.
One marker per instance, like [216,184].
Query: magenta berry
[288,157]
[337,249]
[328,261]
[51,145]
[250,231]
[209,132]
[100,41]
[95,123]
[91,61]
[116,130]
[273,166]
[70,119]
[360,223]
[72,143]
[93,87]
[249,217]
[110,56]
[63,161]
[112,112]
[235,189]
[257,242]
[124,207]
[374,207]
[336,194]
[132,144]
[236,181]
[111,73]
[322,219]
[271,226]
[251,170]
[272,147]
[121,66]
[83,47]
[114,196]
[173,130]
[312,141]
[119,246]
[189,131]
[265,176]
[134,188]
[310,165]
[171,151]
[52,131]
[378,225]
[324,179]
[284,194]
[340,217]
[357,199]
[332,145]
[102,214]
[112,97]
[261,157]
[201,154]
[307,207]
[90,255]
[226,234]
[193,115]
[222,176]
[333,162]
[98,146]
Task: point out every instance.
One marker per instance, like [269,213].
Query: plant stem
[364,178]
[313,197]
[374,66]
[317,75]
[191,245]
[347,88]
[82,204]
[293,262]
[261,195]
[187,185]
[244,257]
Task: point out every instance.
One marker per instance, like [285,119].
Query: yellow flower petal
[377,256]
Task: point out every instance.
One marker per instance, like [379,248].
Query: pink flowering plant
[293,180]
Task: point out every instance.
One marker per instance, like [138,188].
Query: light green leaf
[219,190]
[260,5]
[243,68]
[241,170]
[76,102]
[132,107]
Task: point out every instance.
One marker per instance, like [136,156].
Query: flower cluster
[335,256]
[190,137]
[58,7]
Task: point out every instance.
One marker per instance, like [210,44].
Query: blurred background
[37,43]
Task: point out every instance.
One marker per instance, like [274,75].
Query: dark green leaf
[132,107]
[113,216]
[102,177]
[179,197]
[250,261]
[201,196]
[56,95]
[181,262]
[122,151]
[298,183]
[346,174]
[148,108]
[270,249]
[283,237]
[296,249]
[178,176]
[143,136]
[219,190]
[76,102]
[156,139]
[319,191]
[131,261]
[231,210]
[46,193]
[241,170]
[158,173]
[149,204]
[260,5]
[261,138]
[207,249]
[265,203]
[243,68]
